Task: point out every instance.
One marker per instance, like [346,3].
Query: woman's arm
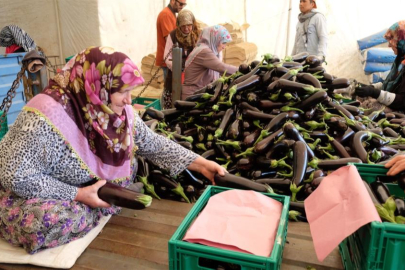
[210,61]
[160,150]
[207,168]
[169,45]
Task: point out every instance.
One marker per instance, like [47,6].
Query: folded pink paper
[337,208]
[238,220]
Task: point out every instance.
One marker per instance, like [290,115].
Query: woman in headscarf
[186,35]
[204,64]
[80,128]
[16,40]
[391,92]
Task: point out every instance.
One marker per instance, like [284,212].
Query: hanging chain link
[156,72]
[7,101]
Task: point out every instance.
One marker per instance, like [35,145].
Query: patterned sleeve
[27,156]
[160,150]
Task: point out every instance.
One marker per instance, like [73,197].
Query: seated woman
[186,35]
[82,127]
[391,93]
[204,65]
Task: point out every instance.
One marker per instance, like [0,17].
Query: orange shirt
[166,22]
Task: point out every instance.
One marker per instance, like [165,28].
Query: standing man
[312,34]
[166,22]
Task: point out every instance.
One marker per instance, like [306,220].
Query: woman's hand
[88,195]
[396,165]
[207,168]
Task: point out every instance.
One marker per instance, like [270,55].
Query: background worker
[166,22]
[312,34]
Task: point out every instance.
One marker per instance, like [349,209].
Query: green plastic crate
[148,102]
[68,58]
[190,256]
[377,246]
[4,127]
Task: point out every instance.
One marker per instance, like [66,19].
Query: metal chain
[156,72]
[7,101]
[48,63]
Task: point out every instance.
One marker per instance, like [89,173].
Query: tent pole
[61,60]
[288,28]
[245,15]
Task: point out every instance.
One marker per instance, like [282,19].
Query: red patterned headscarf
[84,88]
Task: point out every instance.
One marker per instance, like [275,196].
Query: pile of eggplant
[275,125]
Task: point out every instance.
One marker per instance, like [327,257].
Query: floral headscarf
[396,33]
[210,38]
[84,88]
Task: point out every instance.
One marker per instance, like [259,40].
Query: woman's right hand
[88,195]
[396,165]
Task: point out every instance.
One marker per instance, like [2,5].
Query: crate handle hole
[217,265]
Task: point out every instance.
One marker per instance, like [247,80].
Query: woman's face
[392,43]
[186,29]
[221,46]
[120,99]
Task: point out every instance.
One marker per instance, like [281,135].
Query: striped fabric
[12,34]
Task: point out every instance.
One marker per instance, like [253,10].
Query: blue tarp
[371,67]
[372,40]
[379,55]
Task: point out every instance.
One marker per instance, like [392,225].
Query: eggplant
[339,107]
[266,104]
[312,101]
[349,133]
[352,109]
[249,114]
[233,181]
[185,105]
[313,61]
[258,174]
[337,83]
[143,167]
[292,133]
[158,177]
[333,164]
[170,114]
[217,90]
[300,162]
[224,123]
[155,114]
[380,191]
[400,207]
[389,132]
[186,144]
[299,57]
[249,84]
[279,184]
[316,182]
[319,70]
[249,140]
[290,86]
[277,121]
[280,71]
[371,193]
[245,164]
[357,145]
[298,206]
[308,78]
[279,150]
[123,197]
[265,144]
[247,106]
[235,129]
[244,69]
[209,154]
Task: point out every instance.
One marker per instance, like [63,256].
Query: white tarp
[64,27]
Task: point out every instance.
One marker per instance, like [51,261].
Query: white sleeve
[378,85]
[169,45]
[386,97]
[322,31]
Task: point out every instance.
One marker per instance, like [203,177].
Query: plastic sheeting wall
[130,25]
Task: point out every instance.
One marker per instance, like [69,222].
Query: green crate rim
[176,241]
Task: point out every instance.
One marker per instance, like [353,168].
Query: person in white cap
[312,34]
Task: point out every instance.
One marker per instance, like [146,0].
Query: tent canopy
[65,27]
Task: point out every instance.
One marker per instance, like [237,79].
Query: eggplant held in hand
[123,197]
